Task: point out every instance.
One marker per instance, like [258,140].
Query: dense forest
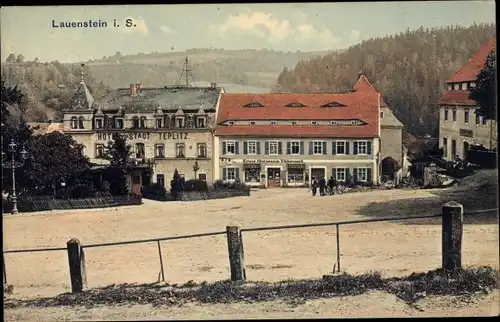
[409,70]
[47,87]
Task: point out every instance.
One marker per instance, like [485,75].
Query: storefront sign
[145,136]
[466,133]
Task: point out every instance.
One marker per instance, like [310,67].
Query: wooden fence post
[236,256]
[452,231]
[76,260]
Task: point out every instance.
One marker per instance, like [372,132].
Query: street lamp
[13,164]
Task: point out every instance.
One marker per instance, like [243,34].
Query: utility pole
[186,70]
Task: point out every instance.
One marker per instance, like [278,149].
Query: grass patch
[410,289]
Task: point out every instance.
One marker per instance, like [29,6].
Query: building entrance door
[466,150]
[317,173]
[273,177]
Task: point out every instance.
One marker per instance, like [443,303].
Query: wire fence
[337,225]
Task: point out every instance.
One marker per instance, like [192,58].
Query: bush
[81,191]
[195,185]
[237,185]
[154,191]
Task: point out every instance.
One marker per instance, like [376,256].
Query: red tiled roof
[472,68]
[361,105]
[456,98]
[363,84]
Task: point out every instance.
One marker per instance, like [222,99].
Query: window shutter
[347,145]
[236,147]
[224,148]
[355,174]
[266,148]
[245,147]
[288,148]
[324,147]
[280,148]
[369,174]
[311,148]
[369,147]
[258,147]
[347,173]
[301,147]
[224,174]
[355,148]
[334,173]
[334,147]
[237,173]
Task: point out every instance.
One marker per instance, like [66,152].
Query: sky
[166,28]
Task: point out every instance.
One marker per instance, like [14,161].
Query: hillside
[408,69]
[257,68]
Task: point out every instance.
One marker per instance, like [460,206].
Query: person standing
[314,186]
[322,186]
[331,184]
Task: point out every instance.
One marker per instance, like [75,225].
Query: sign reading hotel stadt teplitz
[169,128]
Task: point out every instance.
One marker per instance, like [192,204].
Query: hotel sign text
[145,136]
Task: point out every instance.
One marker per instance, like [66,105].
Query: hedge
[201,195]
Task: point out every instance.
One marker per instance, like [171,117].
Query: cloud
[265,26]
[140,26]
[167,30]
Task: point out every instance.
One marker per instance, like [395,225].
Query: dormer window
[99,123]
[472,84]
[179,121]
[200,122]
[456,86]
[135,122]
[143,121]
[295,104]
[230,122]
[294,122]
[333,104]
[274,122]
[159,123]
[118,122]
[254,104]
[314,122]
[464,86]
[252,122]
[74,122]
[450,87]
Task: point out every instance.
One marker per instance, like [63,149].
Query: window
[230,147]
[484,120]
[252,174]
[295,147]
[317,147]
[135,122]
[98,123]
[472,84]
[140,151]
[314,122]
[456,86]
[81,120]
[273,147]
[340,174]
[252,147]
[180,150]
[74,122]
[381,115]
[294,122]
[454,114]
[230,174]
[200,121]
[179,121]
[159,123]
[340,147]
[466,115]
[144,122]
[160,178]
[202,176]
[252,123]
[295,175]
[478,119]
[464,86]
[99,151]
[450,87]
[274,122]
[119,123]
[453,148]
[231,122]
[362,147]
[446,114]
[160,150]
[362,174]
[445,147]
[201,149]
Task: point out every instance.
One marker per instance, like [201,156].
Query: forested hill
[46,87]
[409,70]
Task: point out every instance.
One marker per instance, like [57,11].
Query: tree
[20,59]
[118,153]
[11,58]
[485,91]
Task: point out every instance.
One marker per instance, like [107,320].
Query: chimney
[213,85]
[133,91]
